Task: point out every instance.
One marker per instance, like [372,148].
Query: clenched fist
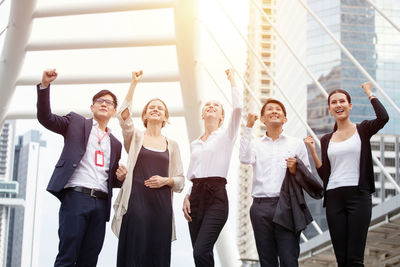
[309,141]
[137,75]
[121,173]
[367,86]
[251,119]
[48,76]
[230,74]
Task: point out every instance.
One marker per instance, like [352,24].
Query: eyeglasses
[107,101]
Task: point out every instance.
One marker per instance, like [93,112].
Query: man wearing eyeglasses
[84,175]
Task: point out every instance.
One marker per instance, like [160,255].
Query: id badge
[99,158]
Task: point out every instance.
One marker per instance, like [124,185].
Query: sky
[123,61]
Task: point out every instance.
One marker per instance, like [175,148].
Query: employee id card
[99,158]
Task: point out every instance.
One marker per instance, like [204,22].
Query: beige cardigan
[133,141]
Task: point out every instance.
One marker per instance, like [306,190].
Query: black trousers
[272,240]
[348,212]
[82,223]
[209,212]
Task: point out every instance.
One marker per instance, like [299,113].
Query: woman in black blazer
[348,176]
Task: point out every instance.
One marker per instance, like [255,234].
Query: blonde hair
[222,110]
[147,106]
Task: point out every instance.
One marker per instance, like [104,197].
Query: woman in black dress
[143,210]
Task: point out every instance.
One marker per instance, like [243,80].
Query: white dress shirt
[87,174]
[211,158]
[344,158]
[268,160]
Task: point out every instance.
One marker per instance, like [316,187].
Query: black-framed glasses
[107,101]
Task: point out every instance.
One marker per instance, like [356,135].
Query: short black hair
[272,100]
[103,93]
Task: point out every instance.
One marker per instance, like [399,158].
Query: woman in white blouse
[206,204]
[143,218]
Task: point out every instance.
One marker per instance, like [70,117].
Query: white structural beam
[188,53]
[92,43]
[384,15]
[30,113]
[13,54]
[68,8]
[93,79]
[12,202]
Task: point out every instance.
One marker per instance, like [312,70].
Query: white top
[268,160]
[87,174]
[212,157]
[344,158]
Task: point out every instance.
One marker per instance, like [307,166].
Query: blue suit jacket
[75,129]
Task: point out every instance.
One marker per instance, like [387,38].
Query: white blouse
[212,157]
[344,158]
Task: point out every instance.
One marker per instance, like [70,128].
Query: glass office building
[388,60]
[353,23]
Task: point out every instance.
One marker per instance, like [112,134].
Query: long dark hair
[335,92]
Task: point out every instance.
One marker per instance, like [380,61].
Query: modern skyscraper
[8,188]
[386,148]
[24,233]
[353,23]
[284,68]
[388,60]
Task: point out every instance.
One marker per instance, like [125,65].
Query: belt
[92,192]
[211,180]
[265,199]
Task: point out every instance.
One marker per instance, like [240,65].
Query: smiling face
[155,111]
[213,110]
[339,106]
[103,107]
[273,115]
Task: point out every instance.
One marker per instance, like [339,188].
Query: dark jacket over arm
[292,211]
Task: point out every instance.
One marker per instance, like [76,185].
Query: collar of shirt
[96,124]
[214,133]
[267,138]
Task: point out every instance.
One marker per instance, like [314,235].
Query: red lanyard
[98,136]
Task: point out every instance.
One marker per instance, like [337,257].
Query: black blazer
[365,129]
[292,211]
[75,129]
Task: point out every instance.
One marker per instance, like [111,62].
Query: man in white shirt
[84,175]
[270,157]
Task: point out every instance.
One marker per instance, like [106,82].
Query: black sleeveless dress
[146,229]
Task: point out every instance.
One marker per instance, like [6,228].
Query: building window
[390,192]
[389,162]
[389,147]
[375,146]
[377,176]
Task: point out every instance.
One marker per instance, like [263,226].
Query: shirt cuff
[189,191]
[125,105]
[41,88]
[247,131]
